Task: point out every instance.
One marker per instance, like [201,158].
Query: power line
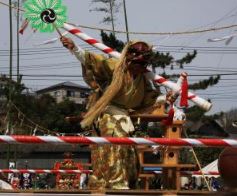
[47,75]
[54,75]
[193,47]
[50,65]
[42,79]
[162,48]
[146,33]
[181,47]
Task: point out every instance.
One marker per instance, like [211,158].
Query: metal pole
[126,19]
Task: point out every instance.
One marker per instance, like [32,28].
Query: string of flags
[24,121]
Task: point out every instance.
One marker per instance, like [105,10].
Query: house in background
[212,128]
[66,90]
[232,130]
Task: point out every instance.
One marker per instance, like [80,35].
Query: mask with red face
[139,53]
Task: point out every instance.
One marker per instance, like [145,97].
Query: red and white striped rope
[42,171]
[150,75]
[62,140]
[198,173]
[214,173]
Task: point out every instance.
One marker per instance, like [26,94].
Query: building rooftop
[63,84]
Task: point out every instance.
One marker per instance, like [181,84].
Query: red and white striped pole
[62,140]
[150,75]
[48,171]
[91,41]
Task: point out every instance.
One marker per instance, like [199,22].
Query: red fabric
[23,26]
[184,92]
[169,120]
[160,80]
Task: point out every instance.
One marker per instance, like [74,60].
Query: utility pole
[18,41]
[126,20]
[10,79]
[111,3]
[11,41]
[18,63]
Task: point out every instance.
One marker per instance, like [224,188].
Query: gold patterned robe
[115,166]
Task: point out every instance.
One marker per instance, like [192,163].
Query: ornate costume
[118,88]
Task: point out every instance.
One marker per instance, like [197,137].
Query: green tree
[110,8]
[111,41]
[46,113]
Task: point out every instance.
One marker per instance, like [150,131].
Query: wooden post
[171,173]
[170,164]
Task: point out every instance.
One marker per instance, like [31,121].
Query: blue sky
[143,16]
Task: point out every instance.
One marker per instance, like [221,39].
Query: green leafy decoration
[45,15]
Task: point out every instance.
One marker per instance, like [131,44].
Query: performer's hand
[67,43]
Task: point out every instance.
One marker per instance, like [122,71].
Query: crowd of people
[198,183]
[48,181]
[32,181]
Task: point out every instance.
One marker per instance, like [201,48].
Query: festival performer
[119,85]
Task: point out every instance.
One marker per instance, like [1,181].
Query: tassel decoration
[184,91]
[169,120]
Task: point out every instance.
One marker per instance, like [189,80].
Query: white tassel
[51,41]
[7,130]
[34,131]
[234,123]
[228,39]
